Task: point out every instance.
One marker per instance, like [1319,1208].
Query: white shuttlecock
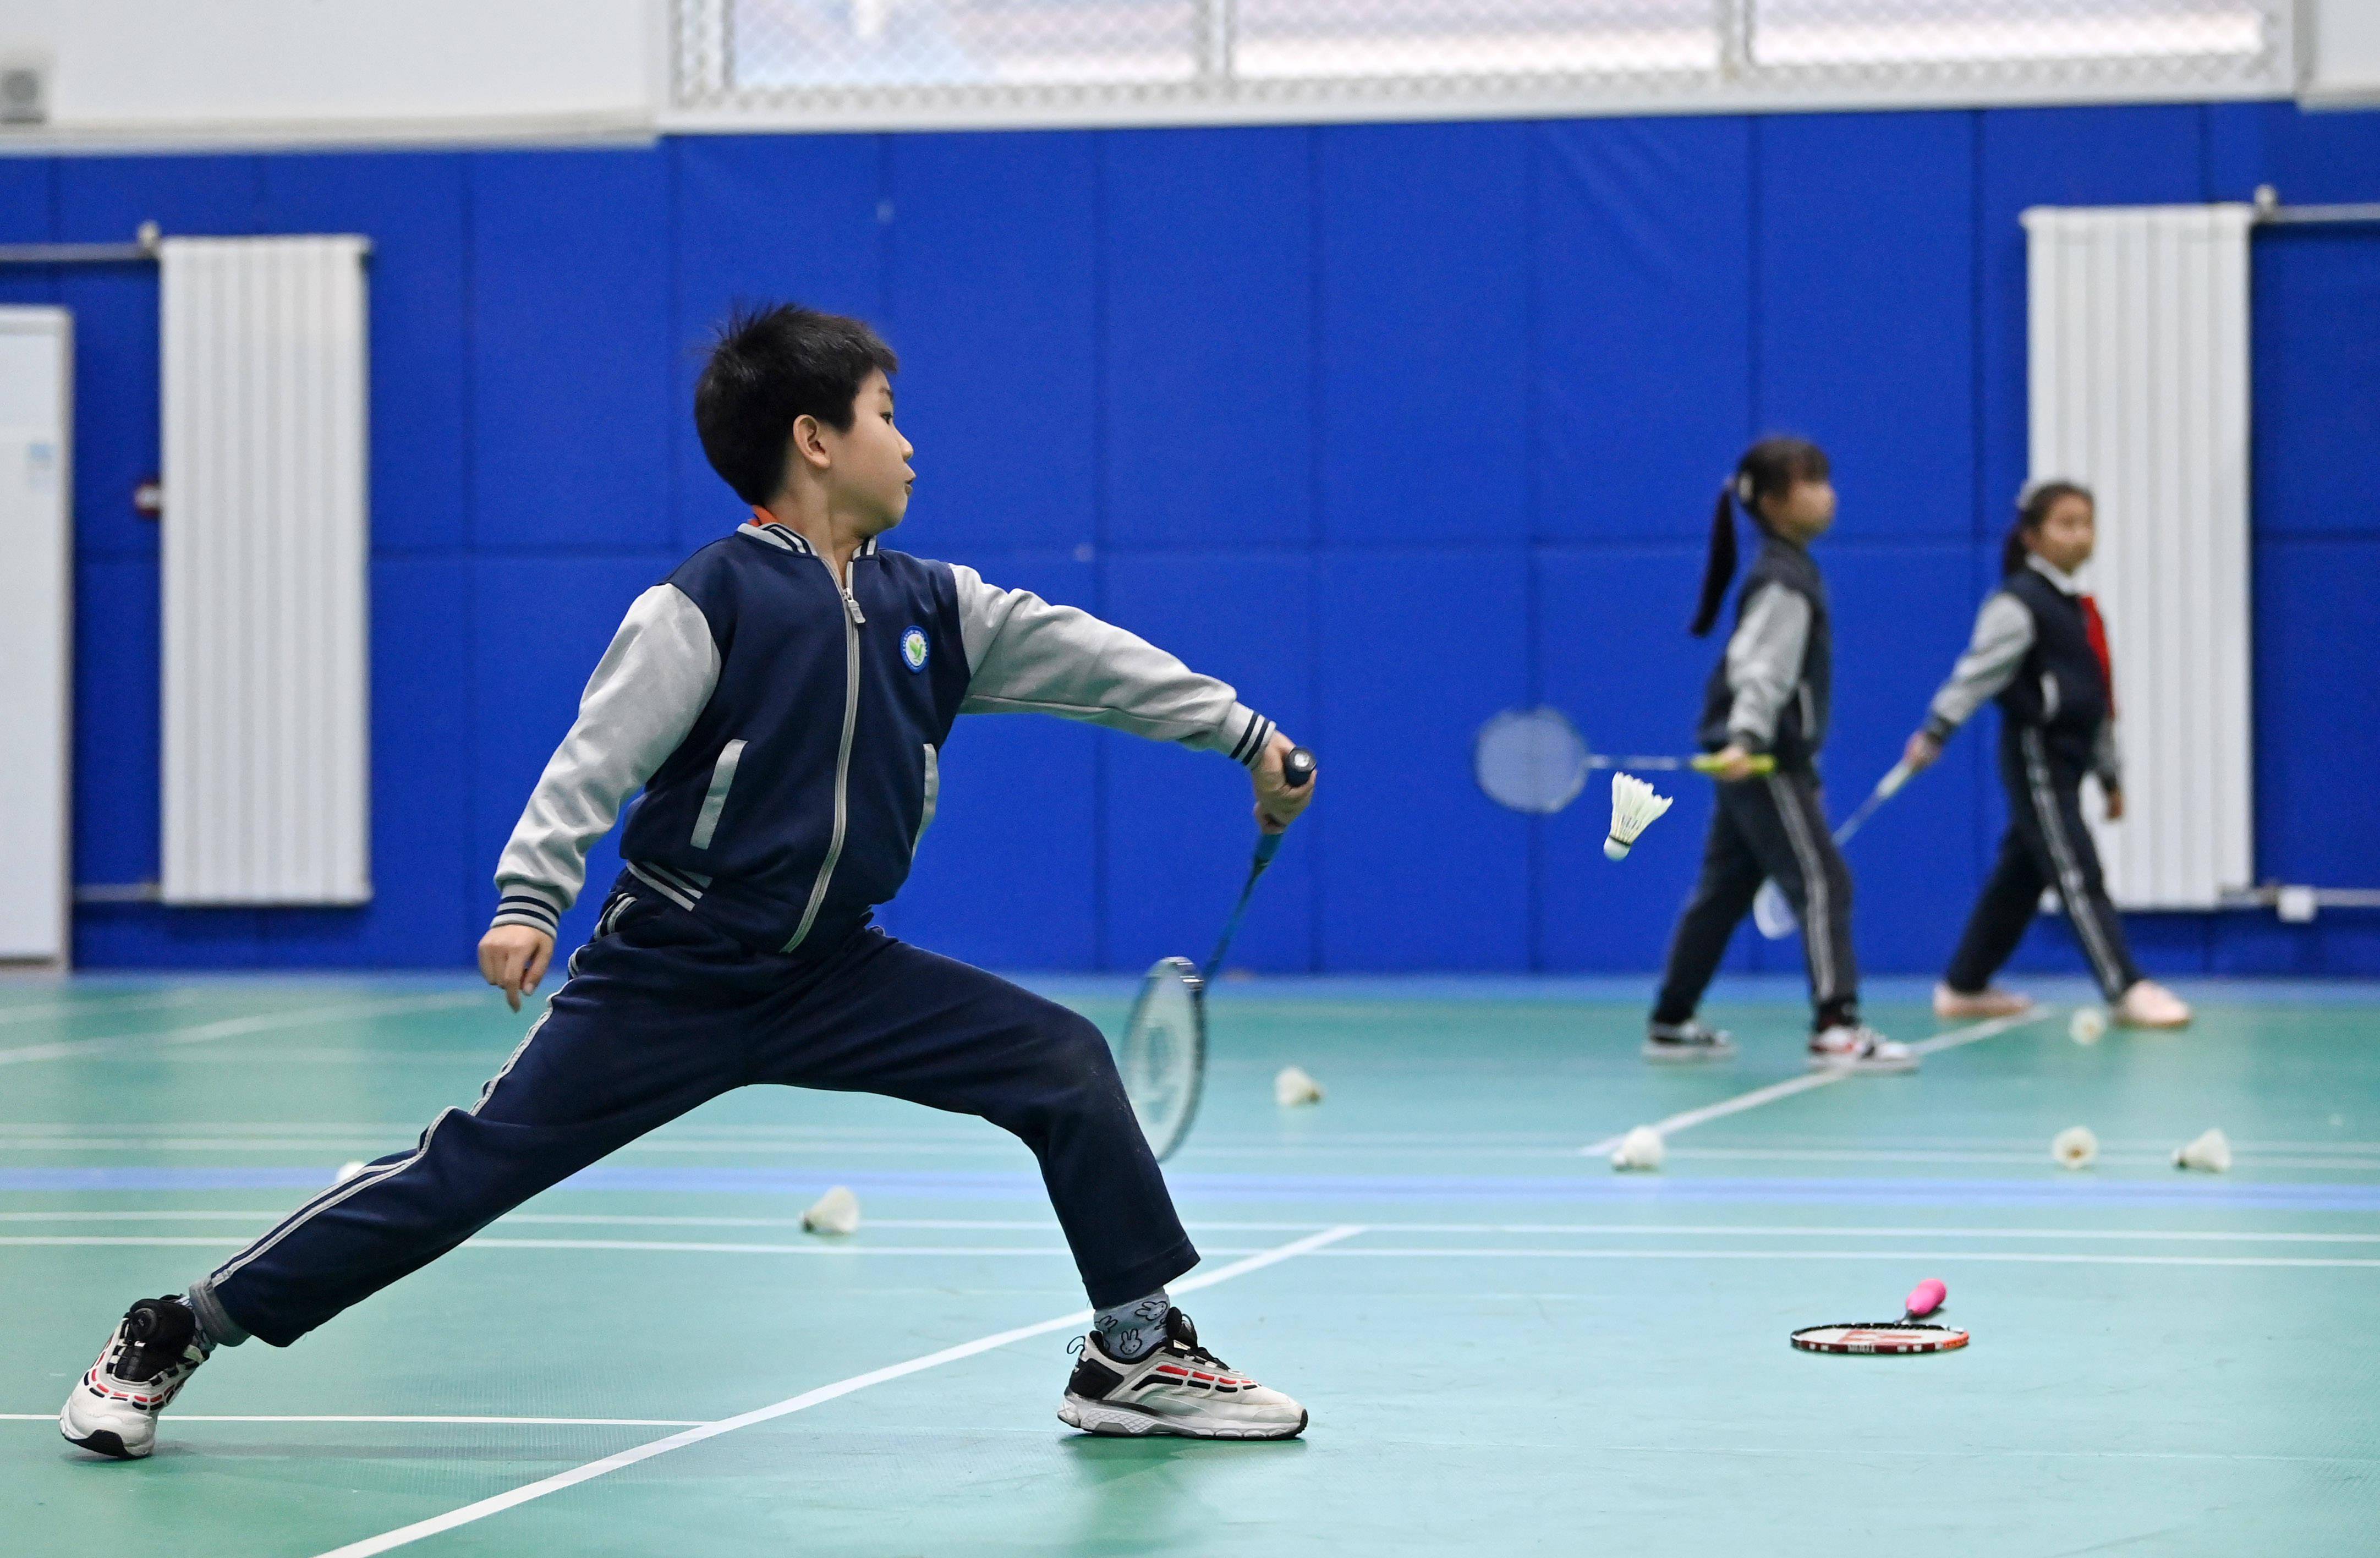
[1640,1148]
[1292,1086]
[349,1170]
[2211,1153]
[2074,1147]
[2088,1025]
[837,1212]
[1633,807]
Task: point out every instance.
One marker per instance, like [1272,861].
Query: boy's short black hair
[768,366]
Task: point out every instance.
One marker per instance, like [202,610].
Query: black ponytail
[2033,507]
[1767,469]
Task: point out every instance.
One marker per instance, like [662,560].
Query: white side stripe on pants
[1817,924]
[2080,909]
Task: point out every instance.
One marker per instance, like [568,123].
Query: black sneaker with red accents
[113,1408]
[1176,1387]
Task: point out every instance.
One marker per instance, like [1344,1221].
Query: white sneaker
[112,1409]
[1687,1042]
[1176,1387]
[1992,1002]
[2149,1005]
[1857,1047]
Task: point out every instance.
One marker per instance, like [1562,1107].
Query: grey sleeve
[2106,757]
[1025,656]
[1764,663]
[639,705]
[2003,638]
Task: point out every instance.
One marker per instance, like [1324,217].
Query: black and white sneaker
[1176,1387]
[113,1408]
[1686,1042]
[1857,1047]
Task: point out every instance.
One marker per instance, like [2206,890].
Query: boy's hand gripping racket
[1770,911]
[1163,1055]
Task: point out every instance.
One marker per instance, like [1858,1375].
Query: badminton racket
[1163,1053]
[1534,760]
[1770,911]
[1880,1338]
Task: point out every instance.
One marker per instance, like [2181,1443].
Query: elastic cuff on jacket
[1939,729]
[1255,733]
[521,905]
[1757,746]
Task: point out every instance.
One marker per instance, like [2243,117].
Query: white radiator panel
[2139,372]
[265,548]
[36,629]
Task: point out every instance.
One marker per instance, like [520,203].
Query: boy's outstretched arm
[1028,656]
[643,698]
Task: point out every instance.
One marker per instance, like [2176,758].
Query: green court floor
[1507,1346]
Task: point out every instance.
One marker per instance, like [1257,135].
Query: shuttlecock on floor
[2087,1026]
[1640,1148]
[349,1170]
[837,1212]
[1292,1086]
[2211,1153]
[2074,1147]
[1633,807]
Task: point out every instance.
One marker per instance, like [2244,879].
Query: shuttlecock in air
[2211,1153]
[349,1170]
[1640,1148]
[2088,1025]
[2074,1147]
[1292,1086]
[837,1212]
[1633,807]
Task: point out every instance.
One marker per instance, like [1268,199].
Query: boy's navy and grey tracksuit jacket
[2034,651]
[1770,693]
[786,728]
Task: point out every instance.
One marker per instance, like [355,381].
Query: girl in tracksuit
[782,701]
[2041,651]
[1764,719]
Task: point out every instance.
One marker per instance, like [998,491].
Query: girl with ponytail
[2041,651]
[1764,719]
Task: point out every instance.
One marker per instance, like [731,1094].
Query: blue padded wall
[1392,426]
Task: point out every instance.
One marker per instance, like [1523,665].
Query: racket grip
[1297,769]
[1708,763]
[1890,785]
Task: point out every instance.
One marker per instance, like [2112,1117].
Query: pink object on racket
[1926,1297]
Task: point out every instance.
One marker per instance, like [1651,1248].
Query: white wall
[142,72]
[2345,55]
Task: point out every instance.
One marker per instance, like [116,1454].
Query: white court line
[103,1007]
[673,1247]
[180,1418]
[1814,1079]
[1651,1230]
[231,1028]
[404,1535]
[2007,1257]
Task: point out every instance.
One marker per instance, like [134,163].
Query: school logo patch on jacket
[913,649]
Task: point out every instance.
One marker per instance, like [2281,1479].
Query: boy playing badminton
[782,701]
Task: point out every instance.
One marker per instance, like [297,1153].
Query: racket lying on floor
[1770,911]
[1163,1055]
[1534,760]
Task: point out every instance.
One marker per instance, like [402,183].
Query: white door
[36,629]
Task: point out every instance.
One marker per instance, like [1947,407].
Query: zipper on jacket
[852,620]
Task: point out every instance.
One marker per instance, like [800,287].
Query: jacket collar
[785,538]
[2066,583]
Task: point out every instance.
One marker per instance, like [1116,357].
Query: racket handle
[1890,785]
[1297,769]
[1708,763]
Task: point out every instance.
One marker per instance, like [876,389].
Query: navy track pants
[662,1014]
